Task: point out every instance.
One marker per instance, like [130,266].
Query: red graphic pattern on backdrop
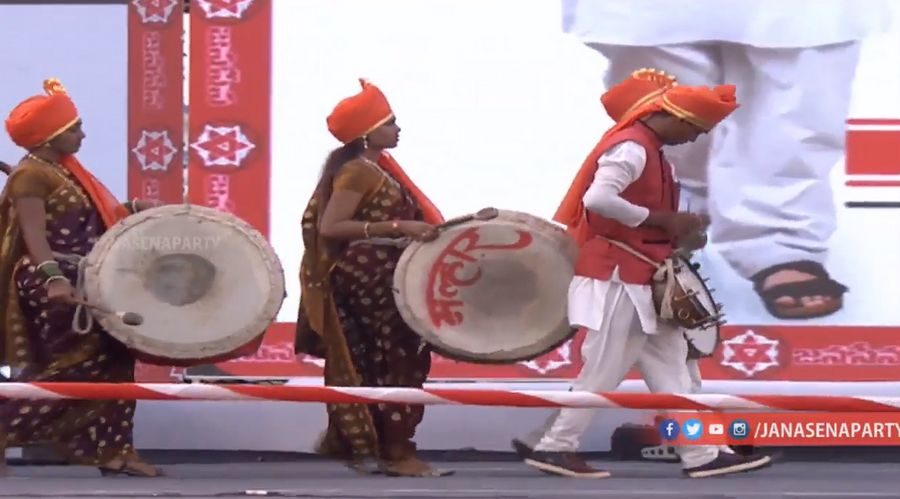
[155,100]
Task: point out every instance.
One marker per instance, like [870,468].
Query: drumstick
[482,214]
[130,318]
[5,168]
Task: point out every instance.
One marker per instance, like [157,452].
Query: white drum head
[205,282]
[491,291]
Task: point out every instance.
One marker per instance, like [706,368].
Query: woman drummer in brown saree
[353,228]
[52,211]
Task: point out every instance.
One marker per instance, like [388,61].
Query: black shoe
[564,464]
[522,449]
[728,464]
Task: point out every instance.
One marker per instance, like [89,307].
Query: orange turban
[641,87]
[39,119]
[357,115]
[703,107]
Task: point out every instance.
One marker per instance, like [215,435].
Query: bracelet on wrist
[50,268]
[55,278]
[366,230]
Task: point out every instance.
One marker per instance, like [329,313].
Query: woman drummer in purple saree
[52,211]
[353,231]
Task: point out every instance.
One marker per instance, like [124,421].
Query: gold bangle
[366,230]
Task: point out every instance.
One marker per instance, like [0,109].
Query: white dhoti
[615,342]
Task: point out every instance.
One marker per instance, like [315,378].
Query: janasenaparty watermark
[172,243]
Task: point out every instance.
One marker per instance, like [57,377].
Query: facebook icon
[668,429]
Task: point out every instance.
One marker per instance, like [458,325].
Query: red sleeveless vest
[656,190]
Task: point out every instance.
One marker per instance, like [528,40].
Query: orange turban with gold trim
[357,115]
[704,107]
[701,106]
[641,87]
[39,119]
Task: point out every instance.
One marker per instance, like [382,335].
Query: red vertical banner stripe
[229,110]
[156,128]
[230,72]
[155,100]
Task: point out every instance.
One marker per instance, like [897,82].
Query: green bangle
[51,270]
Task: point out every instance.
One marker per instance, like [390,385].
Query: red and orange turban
[701,106]
[641,87]
[357,115]
[39,119]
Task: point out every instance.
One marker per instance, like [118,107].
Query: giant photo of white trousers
[763,174]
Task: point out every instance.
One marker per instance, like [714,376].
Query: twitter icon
[692,429]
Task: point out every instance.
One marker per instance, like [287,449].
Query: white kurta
[617,168]
[759,23]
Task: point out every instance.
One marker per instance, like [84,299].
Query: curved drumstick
[5,168]
[482,214]
[129,318]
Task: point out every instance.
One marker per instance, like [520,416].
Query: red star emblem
[154,150]
[750,353]
[222,146]
[155,11]
[224,8]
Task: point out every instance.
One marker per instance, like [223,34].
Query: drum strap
[665,272]
[80,310]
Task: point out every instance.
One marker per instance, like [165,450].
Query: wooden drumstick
[482,214]
[5,168]
[129,318]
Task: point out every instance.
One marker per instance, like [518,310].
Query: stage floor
[472,480]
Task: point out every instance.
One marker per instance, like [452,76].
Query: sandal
[127,468]
[820,285]
[396,469]
[361,465]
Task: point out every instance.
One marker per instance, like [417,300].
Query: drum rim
[200,351]
[718,330]
[562,333]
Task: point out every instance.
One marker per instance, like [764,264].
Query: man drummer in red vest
[626,192]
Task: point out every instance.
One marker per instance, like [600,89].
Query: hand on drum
[693,241]
[146,204]
[420,231]
[60,291]
[681,224]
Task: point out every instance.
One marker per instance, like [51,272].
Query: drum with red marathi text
[489,291]
[206,283]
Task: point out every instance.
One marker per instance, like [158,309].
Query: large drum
[205,282]
[489,291]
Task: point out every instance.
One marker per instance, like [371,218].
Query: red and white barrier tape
[445,396]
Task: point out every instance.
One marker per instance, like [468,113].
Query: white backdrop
[499,107]
[86,47]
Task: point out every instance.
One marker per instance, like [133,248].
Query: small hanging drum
[206,284]
[491,289]
[683,300]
